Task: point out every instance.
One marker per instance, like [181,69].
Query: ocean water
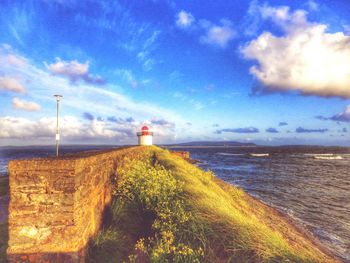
[310,184]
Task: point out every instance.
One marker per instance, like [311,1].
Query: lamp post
[58,98]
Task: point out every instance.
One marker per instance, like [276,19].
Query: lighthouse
[145,136]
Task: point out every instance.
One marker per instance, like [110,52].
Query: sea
[308,183]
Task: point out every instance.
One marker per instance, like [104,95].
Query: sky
[268,72]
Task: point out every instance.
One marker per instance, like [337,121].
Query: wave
[200,162]
[335,157]
[259,154]
[332,238]
[326,156]
[319,154]
[231,154]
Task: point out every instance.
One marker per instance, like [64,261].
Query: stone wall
[184,154]
[56,205]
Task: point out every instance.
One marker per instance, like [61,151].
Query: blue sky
[270,72]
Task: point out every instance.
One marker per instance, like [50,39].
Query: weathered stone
[64,184]
[183,154]
[56,205]
[73,257]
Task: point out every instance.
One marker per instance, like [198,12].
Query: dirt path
[4,201]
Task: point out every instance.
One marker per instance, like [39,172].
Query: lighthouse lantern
[145,136]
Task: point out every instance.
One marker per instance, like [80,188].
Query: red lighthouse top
[145,131]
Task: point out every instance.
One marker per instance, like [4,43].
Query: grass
[167,210]
[4,185]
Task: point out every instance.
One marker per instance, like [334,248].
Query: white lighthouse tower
[145,136]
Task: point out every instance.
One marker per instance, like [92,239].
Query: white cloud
[74,130]
[151,40]
[162,123]
[282,16]
[184,19]
[18,127]
[347,29]
[73,70]
[145,54]
[10,59]
[104,102]
[148,64]
[196,105]
[25,105]
[100,129]
[11,84]
[257,14]
[306,58]
[343,116]
[71,128]
[15,60]
[128,76]
[276,13]
[218,35]
[312,5]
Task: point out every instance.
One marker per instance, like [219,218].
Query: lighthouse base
[145,140]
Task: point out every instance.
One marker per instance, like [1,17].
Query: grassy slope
[239,227]
[188,215]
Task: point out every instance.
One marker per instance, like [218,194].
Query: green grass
[4,185]
[167,210]
[124,225]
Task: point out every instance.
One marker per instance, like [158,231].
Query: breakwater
[57,206]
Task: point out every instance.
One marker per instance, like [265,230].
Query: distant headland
[212,144]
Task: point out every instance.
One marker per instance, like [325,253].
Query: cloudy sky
[270,72]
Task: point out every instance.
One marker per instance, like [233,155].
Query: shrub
[149,184]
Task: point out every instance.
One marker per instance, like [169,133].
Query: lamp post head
[58,97]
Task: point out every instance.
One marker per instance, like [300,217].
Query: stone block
[56,205]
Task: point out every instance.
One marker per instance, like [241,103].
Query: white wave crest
[335,157]
[259,154]
[231,154]
[319,154]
